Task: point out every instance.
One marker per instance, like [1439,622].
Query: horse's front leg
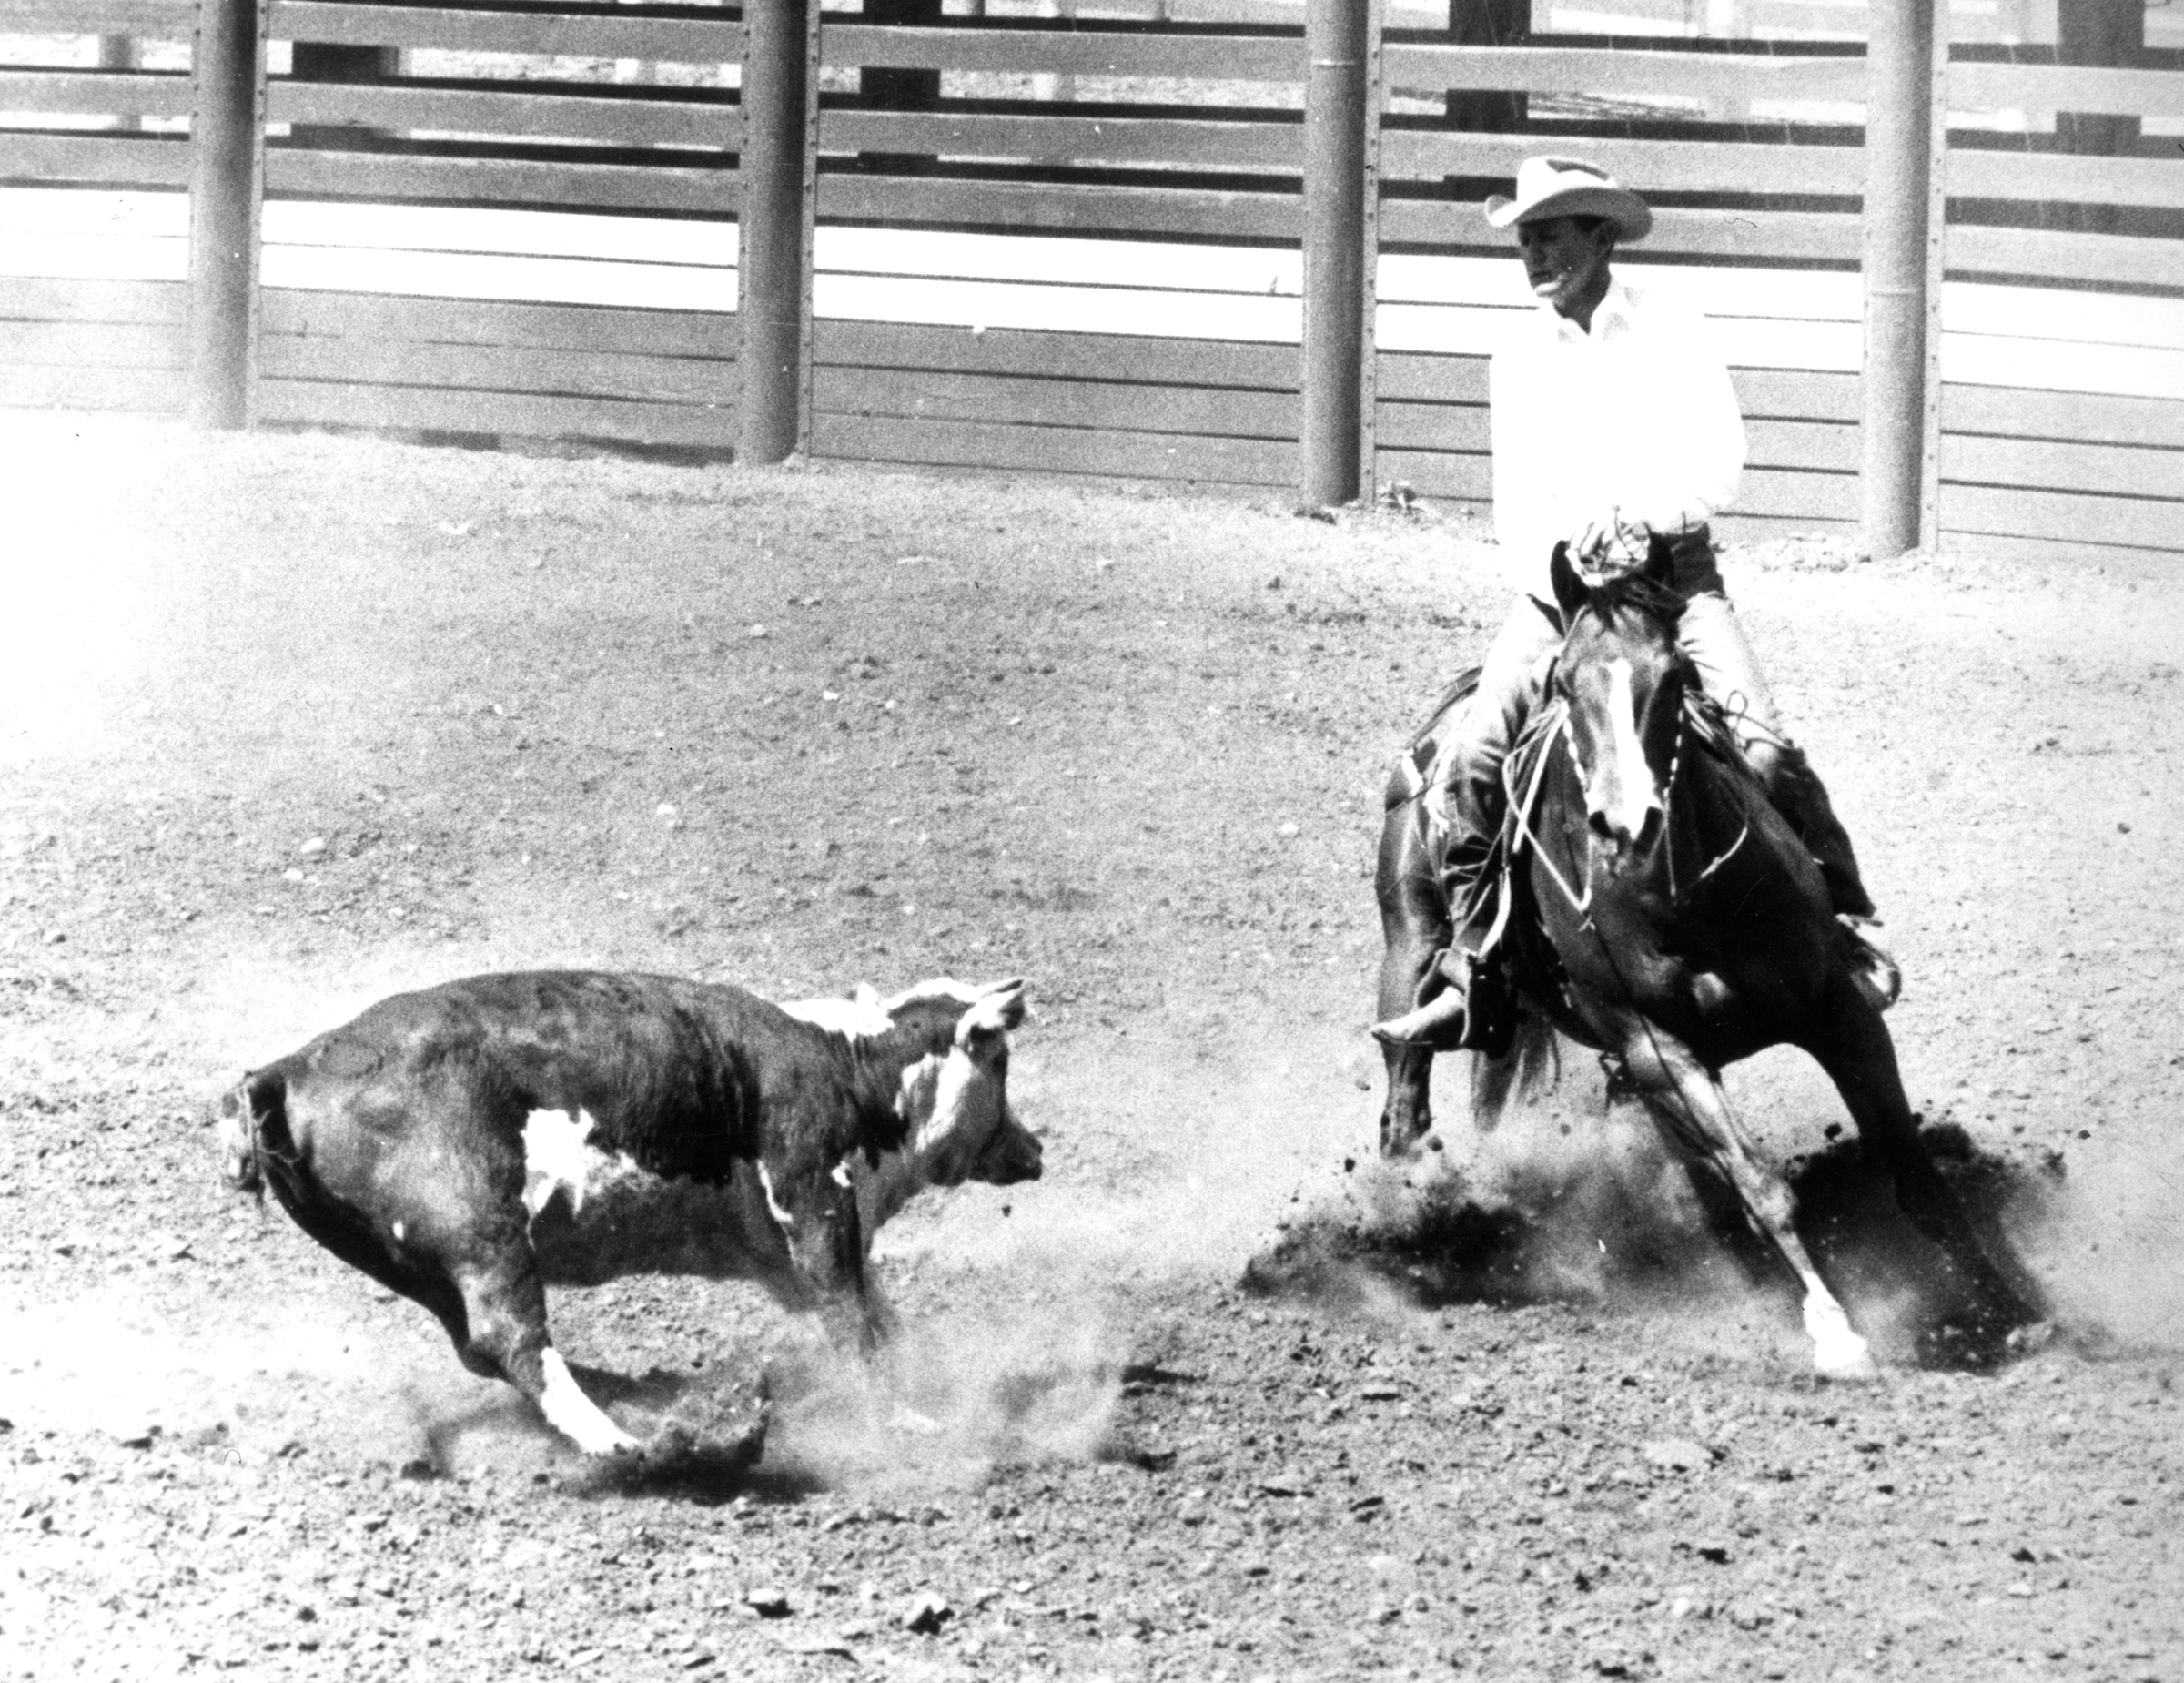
[1689,1099]
[1853,1047]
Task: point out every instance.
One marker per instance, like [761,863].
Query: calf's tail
[254,1118]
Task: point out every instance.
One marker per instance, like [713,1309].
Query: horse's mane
[1640,594]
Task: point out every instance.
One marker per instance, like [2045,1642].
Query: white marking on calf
[569,1411]
[554,1156]
[858,1017]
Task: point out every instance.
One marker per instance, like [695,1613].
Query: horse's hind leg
[1860,1058]
[1690,1099]
[1414,924]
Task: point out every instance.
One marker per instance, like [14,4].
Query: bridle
[1665,791]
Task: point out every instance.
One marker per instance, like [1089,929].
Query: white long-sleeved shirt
[1638,414]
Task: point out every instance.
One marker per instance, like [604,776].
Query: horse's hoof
[1838,1353]
[1850,1364]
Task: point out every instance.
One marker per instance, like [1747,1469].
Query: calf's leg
[505,1337]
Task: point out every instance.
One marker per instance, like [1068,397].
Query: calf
[470,1145]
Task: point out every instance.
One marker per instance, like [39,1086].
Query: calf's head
[952,1099]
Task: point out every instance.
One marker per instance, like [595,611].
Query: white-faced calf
[470,1145]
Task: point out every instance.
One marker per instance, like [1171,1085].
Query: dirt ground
[290,723]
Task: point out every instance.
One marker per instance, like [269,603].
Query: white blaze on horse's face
[1619,797]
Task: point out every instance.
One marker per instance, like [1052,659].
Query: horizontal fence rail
[1024,282]
[1074,243]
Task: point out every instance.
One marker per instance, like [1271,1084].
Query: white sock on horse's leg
[1711,1127]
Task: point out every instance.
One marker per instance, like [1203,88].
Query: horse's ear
[1660,561]
[1568,589]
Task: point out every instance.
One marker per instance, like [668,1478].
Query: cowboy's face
[1565,259]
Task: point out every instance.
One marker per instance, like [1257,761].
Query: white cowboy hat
[1569,186]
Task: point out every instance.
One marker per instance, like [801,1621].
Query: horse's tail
[1530,1067]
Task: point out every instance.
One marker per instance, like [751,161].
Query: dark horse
[1663,913]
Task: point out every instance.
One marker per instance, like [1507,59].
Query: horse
[1662,912]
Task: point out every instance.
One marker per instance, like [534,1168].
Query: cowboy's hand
[1590,542]
[1609,539]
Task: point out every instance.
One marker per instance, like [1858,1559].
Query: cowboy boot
[1465,1001]
[1797,793]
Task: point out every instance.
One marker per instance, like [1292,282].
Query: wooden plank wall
[92,164]
[2062,353]
[1081,256]
[605,312]
[530,230]
[1755,223]
[1107,280]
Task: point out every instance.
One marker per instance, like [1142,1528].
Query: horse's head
[1622,679]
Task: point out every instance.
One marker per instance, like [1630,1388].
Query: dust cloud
[2109,1241]
[951,1398]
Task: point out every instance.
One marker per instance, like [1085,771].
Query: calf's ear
[1006,1001]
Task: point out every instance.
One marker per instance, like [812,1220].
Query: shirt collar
[1610,317]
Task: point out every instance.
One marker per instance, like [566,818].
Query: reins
[1540,747]
[1521,810]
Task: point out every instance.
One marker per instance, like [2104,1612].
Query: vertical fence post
[1334,246]
[1488,22]
[227,154]
[883,89]
[1369,252]
[1899,106]
[769,236]
[119,52]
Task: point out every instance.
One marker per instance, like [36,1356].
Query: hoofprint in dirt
[292,722]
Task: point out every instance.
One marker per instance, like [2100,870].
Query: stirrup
[1440,1023]
[1479,1015]
[1873,967]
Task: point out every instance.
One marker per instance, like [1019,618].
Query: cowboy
[1613,420]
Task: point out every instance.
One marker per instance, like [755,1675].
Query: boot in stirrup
[1802,798]
[1474,1011]
[1872,966]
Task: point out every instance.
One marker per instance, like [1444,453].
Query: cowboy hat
[1568,186]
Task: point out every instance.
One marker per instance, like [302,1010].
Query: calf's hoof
[576,1417]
